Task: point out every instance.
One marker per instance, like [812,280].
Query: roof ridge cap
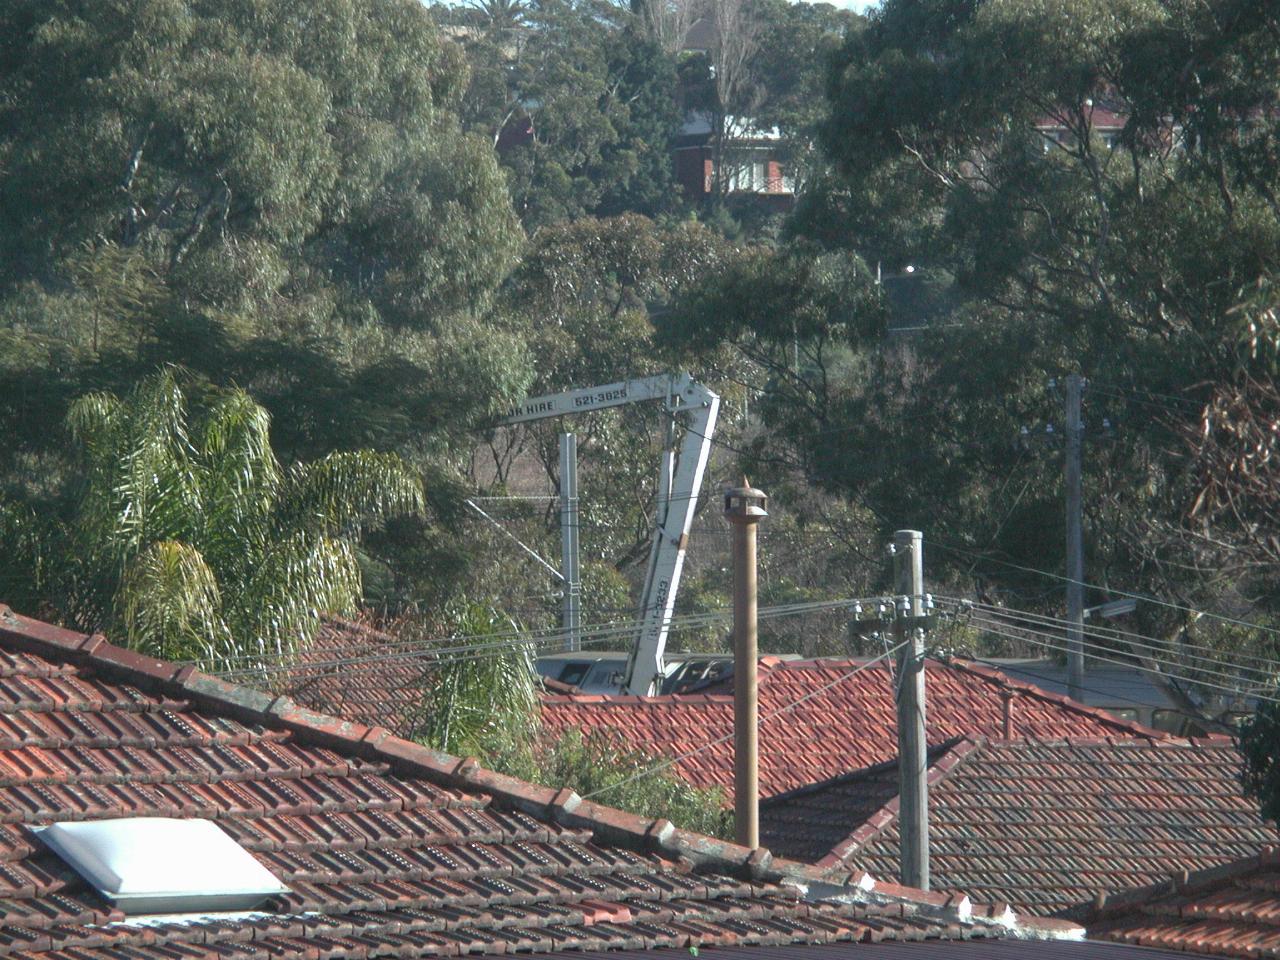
[998,677]
[1108,903]
[563,807]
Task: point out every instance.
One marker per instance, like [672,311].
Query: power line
[1128,637]
[786,708]
[1041,639]
[1028,636]
[1116,389]
[1229,678]
[518,637]
[501,642]
[1113,590]
[1261,677]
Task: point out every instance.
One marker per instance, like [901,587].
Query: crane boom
[680,482]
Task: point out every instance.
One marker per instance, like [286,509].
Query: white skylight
[161,865]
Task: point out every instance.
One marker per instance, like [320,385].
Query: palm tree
[190,541]
[483,701]
[501,15]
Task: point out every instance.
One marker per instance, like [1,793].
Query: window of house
[749,177]
[1170,721]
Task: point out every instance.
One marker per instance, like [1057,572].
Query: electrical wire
[785,708]
[1028,636]
[1161,655]
[1122,593]
[415,649]
[1115,389]
[1132,639]
[520,637]
[1098,653]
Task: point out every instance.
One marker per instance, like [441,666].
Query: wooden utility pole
[744,507]
[1075,540]
[913,787]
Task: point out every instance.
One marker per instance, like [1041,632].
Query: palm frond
[300,580]
[170,605]
[473,702]
[91,419]
[239,481]
[140,485]
[26,555]
[345,491]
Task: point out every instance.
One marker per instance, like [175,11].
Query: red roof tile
[389,848]
[1231,910]
[1042,825]
[387,689]
[848,721]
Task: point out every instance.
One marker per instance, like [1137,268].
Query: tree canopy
[279,194]
[187,539]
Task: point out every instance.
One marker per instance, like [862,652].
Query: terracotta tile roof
[385,691]
[1229,911]
[1009,949]
[808,823]
[1041,825]
[390,849]
[850,725]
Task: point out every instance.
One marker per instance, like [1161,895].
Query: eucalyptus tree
[1016,243]
[278,195]
[1126,257]
[580,105]
[186,538]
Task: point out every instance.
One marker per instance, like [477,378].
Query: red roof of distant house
[389,848]
[844,721]
[1041,825]
[1229,911]
[386,688]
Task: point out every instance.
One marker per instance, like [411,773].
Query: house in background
[753,161]
[1103,118]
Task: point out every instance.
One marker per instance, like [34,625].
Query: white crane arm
[680,483]
[666,557]
[668,387]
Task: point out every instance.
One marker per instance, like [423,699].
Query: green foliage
[581,106]
[581,299]
[1258,740]
[188,540]
[1065,253]
[474,701]
[616,774]
[797,319]
[485,703]
[278,196]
